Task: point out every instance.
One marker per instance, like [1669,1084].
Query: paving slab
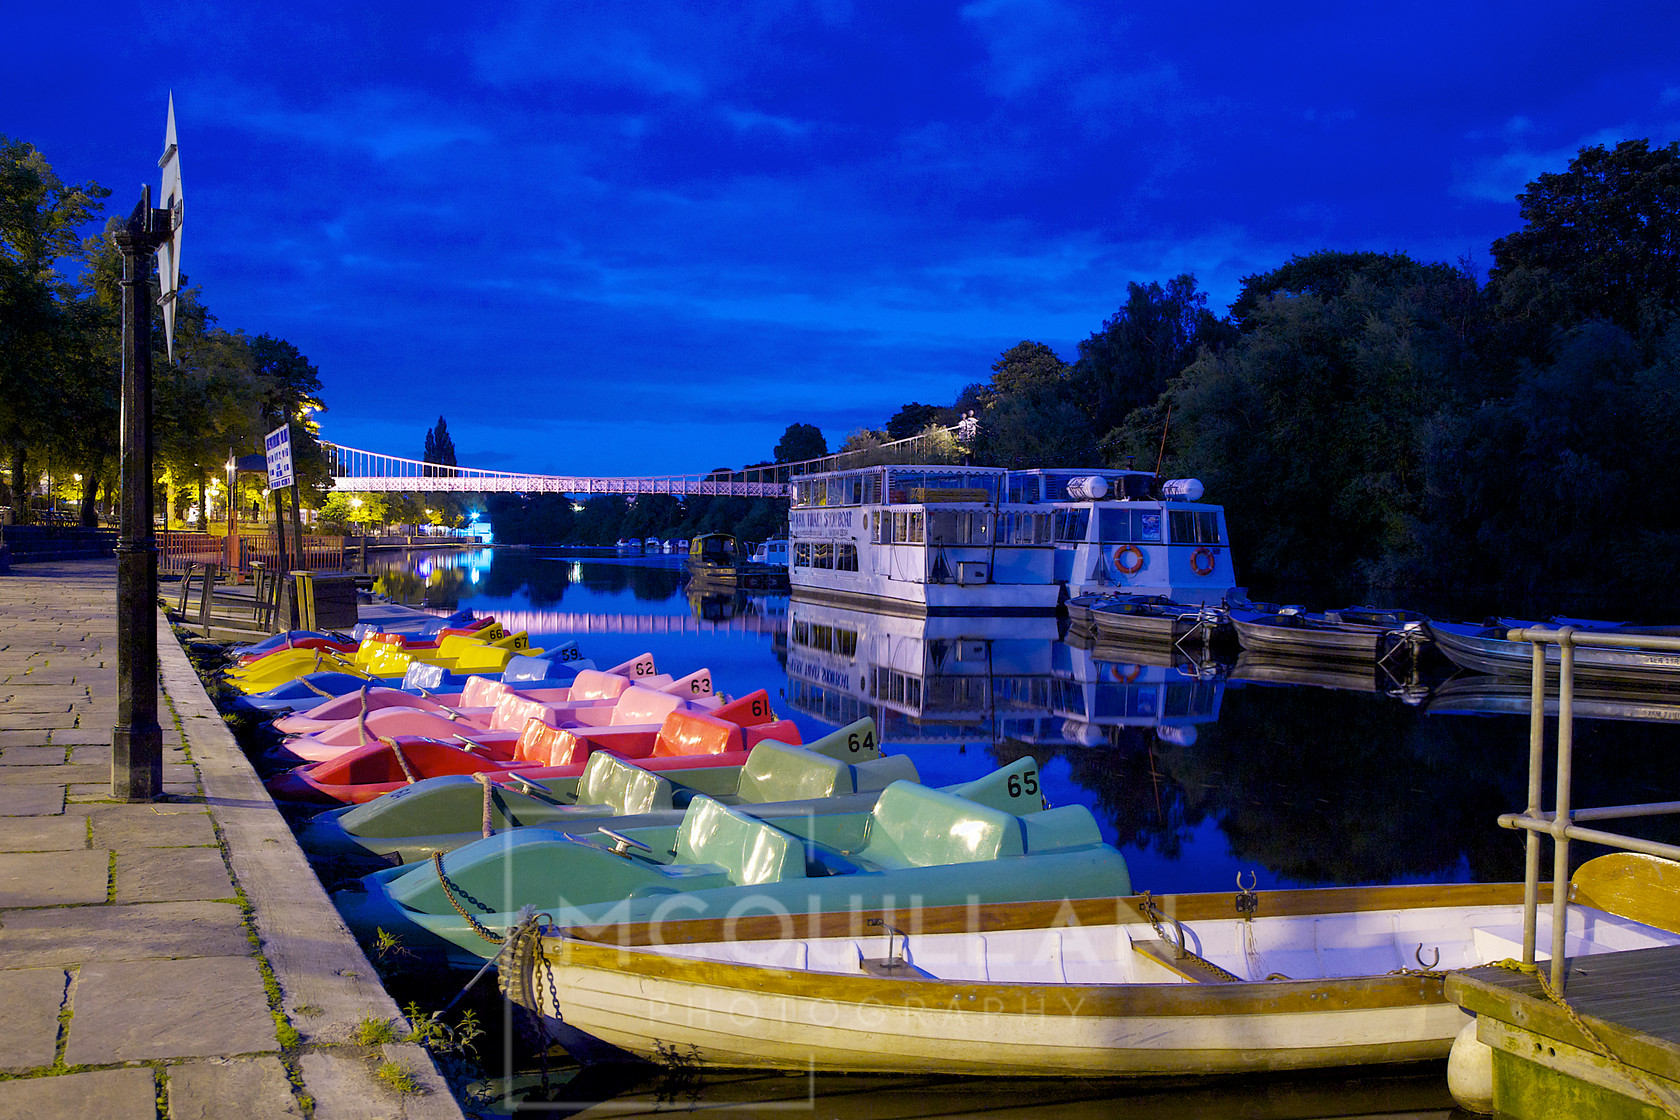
[62,774]
[257,1088]
[156,825]
[140,1010]
[42,834]
[172,875]
[53,878]
[31,756]
[110,1094]
[31,721]
[23,738]
[67,936]
[93,736]
[30,801]
[350,1091]
[29,1028]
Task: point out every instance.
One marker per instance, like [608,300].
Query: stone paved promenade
[133,982]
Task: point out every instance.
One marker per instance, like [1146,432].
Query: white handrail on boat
[1559,823]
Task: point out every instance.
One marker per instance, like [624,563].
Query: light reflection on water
[1194,776]
[1197,777]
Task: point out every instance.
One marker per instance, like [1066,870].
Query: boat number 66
[1026,783]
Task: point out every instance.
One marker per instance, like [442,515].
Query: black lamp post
[137,740]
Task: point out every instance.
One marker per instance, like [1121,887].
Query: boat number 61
[1026,783]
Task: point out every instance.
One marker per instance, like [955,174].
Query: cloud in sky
[645,238]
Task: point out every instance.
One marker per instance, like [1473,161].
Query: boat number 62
[1026,783]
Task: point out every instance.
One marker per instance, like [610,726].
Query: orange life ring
[1131,673]
[1135,566]
[1203,554]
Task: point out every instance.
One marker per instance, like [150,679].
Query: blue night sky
[645,237]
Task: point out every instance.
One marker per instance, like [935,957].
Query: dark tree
[800,442]
[913,418]
[1599,240]
[1148,341]
[440,449]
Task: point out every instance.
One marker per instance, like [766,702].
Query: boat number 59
[1026,783]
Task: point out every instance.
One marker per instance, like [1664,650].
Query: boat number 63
[1026,783]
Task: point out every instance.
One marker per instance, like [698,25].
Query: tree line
[1375,423]
[60,364]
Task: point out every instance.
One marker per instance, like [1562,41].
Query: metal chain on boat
[1639,1079]
[1153,913]
[451,889]
[516,966]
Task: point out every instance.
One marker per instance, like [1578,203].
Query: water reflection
[1197,766]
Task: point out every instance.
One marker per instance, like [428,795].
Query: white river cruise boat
[920,540]
[931,540]
[1114,531]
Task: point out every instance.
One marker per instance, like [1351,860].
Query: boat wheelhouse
[1120,531]
[774,552]
[920,540]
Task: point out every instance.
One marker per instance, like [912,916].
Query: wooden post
[279,531]
[303,596]
[299,558]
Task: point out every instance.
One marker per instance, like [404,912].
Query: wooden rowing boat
[1314,978]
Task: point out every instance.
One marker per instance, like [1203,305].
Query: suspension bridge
[358,471]
[365,472]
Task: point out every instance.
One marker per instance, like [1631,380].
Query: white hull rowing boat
[1080,988]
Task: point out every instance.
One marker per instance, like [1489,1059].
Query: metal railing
[1560,824]
[177,548]
[357,471]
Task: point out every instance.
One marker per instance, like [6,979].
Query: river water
[1199,772]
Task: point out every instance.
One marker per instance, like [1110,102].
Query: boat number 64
[854,744]
[1026,783]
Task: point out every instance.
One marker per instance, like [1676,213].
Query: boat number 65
[1026,783]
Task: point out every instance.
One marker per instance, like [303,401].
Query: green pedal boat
[914,847]
[443,813]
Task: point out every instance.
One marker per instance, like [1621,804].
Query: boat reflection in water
[970,679]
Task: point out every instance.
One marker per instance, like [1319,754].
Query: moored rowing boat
[1317,978]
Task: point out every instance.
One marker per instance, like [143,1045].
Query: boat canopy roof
[1050,484]
[899,484]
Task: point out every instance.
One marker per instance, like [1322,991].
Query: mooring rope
[483,779]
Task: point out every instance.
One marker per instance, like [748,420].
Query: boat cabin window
[905,528]
[1023,528]
[1191,526]
[1023,488]
[1072,524]
[825,639]
[846,557]
[928,486]
[802,555]
[891,685]
[1128,526]
[954,526]
[822,555]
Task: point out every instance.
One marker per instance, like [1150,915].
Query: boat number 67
[1026,783]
